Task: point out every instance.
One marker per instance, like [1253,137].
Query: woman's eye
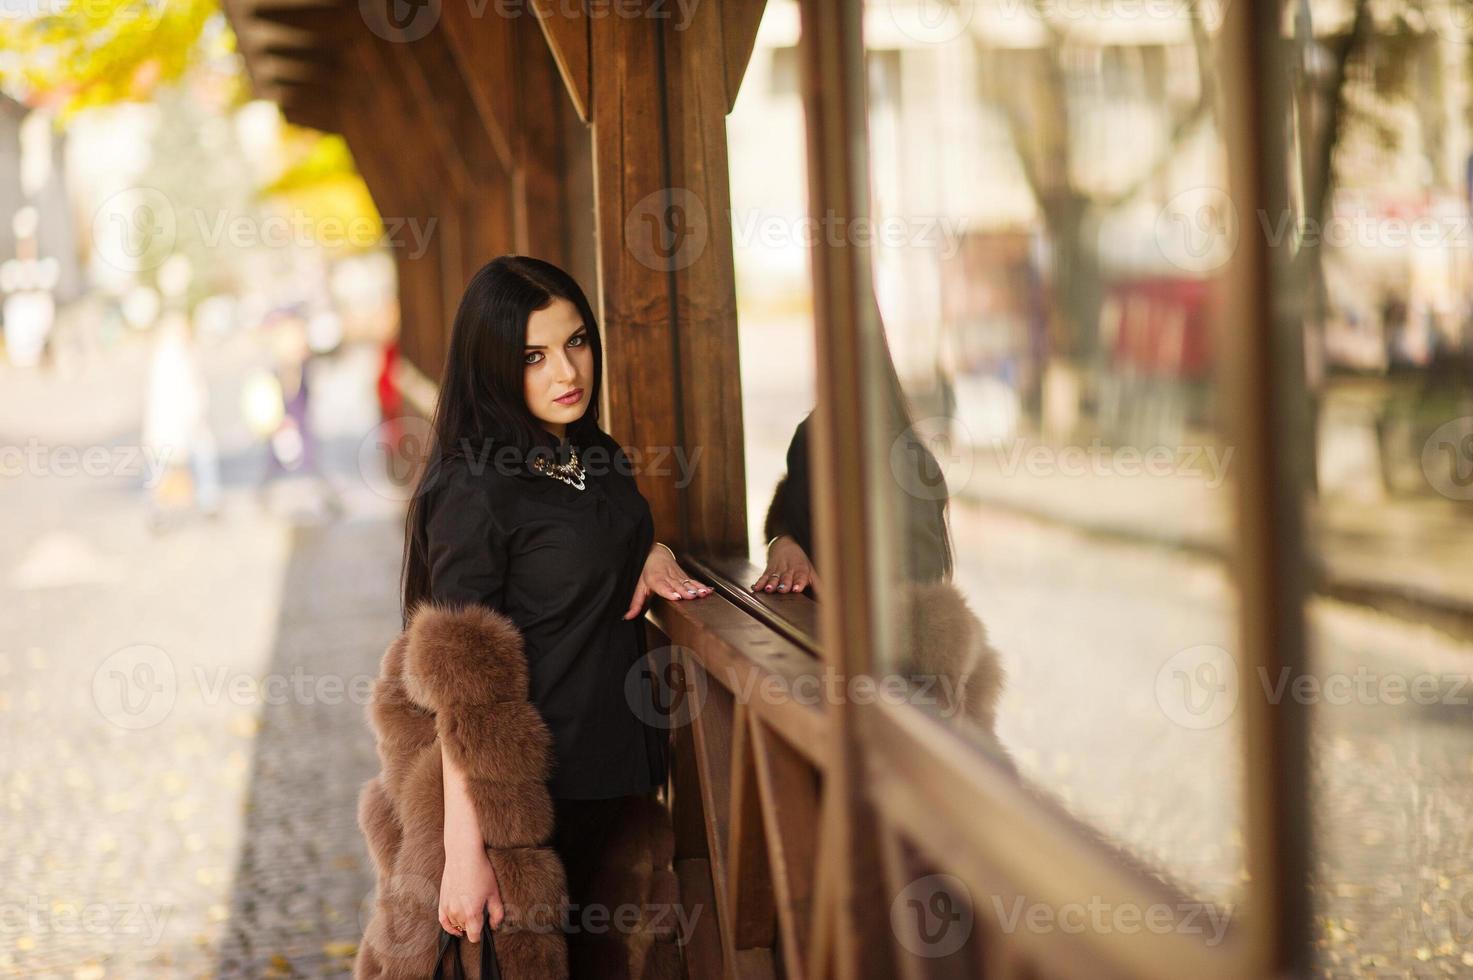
[578,341]
[531,358]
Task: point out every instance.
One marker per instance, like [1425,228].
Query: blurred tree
[230,219]
[1038,91]
[102,52]
[323,182]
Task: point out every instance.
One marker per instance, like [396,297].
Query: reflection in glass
[1381,255]
[769,200]
[1048,221]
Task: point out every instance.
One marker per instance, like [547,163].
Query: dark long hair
[482,403]
[931,511]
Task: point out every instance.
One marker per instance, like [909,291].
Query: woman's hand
[788,568]
[468,884]
[466,888]
[663,576]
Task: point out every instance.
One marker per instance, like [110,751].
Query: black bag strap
[490,965]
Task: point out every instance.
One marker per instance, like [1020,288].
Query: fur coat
[457,676]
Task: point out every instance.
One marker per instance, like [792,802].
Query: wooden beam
[712,727]
[305,105]
[569,34]
[324,59]
[1261,377]
[698,221]
[484,51]
[631,190]
[742,654]
[703,951]
[739,22]
[973,818]
[749,881]
[387,127]
[330,22]
[418,107]
[553,180]
[789,794]
[846,333]
[488,231]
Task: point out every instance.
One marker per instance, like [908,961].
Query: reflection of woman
[921,496]
[555,537]
[940,637]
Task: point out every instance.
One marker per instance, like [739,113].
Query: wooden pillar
[642,404]
[704,281]
[848,346]
[552,194]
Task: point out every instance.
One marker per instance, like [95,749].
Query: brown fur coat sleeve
[457,677]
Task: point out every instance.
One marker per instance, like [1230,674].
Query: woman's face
[559,362]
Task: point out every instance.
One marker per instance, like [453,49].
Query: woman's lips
[571,398]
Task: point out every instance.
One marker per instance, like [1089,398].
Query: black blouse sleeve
[467,546]
[790,511]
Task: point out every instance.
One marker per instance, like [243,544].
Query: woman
[527,507]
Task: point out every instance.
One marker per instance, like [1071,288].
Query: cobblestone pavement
[182,711]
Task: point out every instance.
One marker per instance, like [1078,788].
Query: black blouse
[562,564]
[791,512]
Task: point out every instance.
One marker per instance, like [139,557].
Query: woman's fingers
[682,588]
[446,924]
[641,592]
[786,579]
[473,928]
[497,910]
[688,586]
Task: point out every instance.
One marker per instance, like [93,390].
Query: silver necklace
[570,472]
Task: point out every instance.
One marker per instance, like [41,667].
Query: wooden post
[642,406]
[847,336]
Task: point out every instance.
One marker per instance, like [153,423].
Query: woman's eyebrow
[582,329]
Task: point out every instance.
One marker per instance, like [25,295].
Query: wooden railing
[748,753]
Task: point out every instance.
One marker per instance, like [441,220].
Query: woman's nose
[565,371]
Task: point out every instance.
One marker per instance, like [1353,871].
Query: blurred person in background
[176,425]
[291,444]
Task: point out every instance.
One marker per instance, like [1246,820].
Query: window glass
[1048,223]
[1381,264]
[769,200]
